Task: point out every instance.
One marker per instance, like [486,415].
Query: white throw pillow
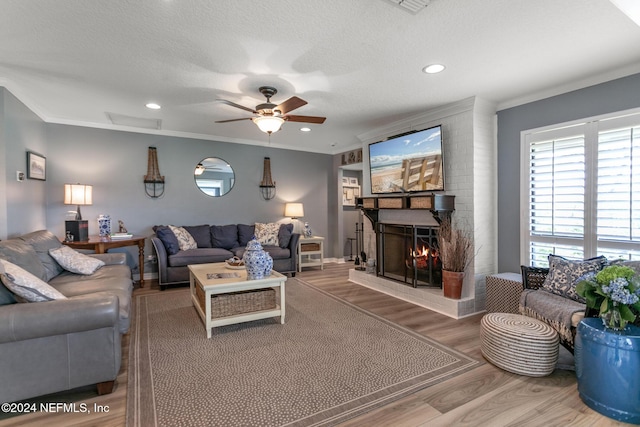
[185,239]
[74,261]
[26,285]
[267,234]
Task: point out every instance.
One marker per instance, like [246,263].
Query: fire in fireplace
[409,254]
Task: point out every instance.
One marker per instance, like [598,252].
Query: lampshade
[79,195]
[294,210]
[268,124]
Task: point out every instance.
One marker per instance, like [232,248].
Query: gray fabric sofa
[58,345]
[217,244]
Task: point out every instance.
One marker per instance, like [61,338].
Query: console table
[101,245]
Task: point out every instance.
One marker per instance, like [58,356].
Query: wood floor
[484,396]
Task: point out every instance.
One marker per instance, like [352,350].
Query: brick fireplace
[407,264]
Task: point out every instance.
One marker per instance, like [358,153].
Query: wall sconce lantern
[153,181]
[267,186]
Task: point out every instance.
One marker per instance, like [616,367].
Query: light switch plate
[19,176]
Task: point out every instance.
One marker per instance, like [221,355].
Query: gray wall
[612,96]
[115,163]
[25,202]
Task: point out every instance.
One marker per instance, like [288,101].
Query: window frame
[591,128]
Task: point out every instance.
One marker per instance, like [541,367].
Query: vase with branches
[455,247]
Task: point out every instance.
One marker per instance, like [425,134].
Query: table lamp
[294,211]
[79,195]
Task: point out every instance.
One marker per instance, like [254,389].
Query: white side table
[310,252]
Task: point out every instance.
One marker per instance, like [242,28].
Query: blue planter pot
[608,369]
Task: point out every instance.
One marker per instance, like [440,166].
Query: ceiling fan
[271,116]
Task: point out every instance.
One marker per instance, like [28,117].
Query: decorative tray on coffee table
[234,264]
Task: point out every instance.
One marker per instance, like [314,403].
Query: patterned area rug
[329,362]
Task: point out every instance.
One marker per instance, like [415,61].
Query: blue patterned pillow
[267,233]
[564,275]
[185,239]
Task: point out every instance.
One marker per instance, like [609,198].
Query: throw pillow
[224,236]
[168,239]
[6,296]
[267,234]
[200,234]
[26,285]
[564,275]
[284,235]
[42,241]
[185,240]
[24,256]
[245,233]
[75,261]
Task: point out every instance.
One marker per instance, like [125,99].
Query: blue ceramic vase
[104,225]
[257,262]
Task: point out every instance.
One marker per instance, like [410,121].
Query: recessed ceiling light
[153,106]
[305,129]
[433,68]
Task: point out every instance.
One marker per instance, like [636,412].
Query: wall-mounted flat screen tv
[408,162]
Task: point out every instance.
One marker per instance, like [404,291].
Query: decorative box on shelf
[349,194]
[421,202]
[368,203]
[392,203]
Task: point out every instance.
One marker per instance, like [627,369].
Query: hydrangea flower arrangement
[615,292]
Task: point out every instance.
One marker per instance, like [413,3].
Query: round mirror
[214,177]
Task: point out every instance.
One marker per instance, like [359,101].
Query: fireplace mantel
[438,204]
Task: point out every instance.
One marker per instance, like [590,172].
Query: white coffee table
[199,283]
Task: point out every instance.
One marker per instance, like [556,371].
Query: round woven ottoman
[519,344]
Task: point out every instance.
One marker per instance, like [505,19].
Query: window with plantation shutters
[581,190]
[618,193]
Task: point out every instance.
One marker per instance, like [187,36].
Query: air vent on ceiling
[413,6]
[138,122]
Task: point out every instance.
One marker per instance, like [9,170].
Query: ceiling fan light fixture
[268,124]
[199,169]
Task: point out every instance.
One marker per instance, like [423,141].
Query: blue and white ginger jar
[307,230]
[257,262]
[104,225]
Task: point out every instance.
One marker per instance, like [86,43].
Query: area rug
[330,361]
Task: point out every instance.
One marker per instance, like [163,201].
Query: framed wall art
[36,166]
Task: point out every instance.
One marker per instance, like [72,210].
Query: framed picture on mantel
[36,166]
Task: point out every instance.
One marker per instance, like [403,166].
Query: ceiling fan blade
[290,104]
[233,104]
[233,120]
[305,119]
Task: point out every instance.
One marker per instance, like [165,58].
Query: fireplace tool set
[360,247]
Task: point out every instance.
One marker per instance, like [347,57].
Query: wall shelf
[438,204]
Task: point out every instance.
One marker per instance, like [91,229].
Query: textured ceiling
[356,62]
